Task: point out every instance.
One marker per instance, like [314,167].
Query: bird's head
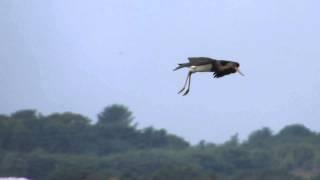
[236,67]
[225,67]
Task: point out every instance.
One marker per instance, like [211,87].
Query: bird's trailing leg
[185,83]
[189,77]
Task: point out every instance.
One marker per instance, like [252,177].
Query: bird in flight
[219,68]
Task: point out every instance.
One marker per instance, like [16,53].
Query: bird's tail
[181,65]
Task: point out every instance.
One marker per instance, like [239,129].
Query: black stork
[219,68]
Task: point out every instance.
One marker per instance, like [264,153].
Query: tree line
[70,146]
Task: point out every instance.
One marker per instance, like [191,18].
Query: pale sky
[81,56]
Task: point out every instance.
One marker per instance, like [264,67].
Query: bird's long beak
[238,70]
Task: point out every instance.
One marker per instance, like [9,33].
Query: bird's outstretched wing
[198,61]
[218,74]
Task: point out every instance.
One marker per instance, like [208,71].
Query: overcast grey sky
[81,56]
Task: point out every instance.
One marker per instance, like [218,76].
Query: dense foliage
[69,146]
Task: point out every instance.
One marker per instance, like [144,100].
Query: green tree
[293,131]
[115,115]
[260,138]
[66,132]
[185,172]
[69,119]
[28,114]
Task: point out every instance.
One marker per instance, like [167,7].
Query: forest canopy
[70,146]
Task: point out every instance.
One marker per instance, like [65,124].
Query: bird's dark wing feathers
[218,74]
[198,61]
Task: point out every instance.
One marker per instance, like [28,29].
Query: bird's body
[219,68]
[201,68]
